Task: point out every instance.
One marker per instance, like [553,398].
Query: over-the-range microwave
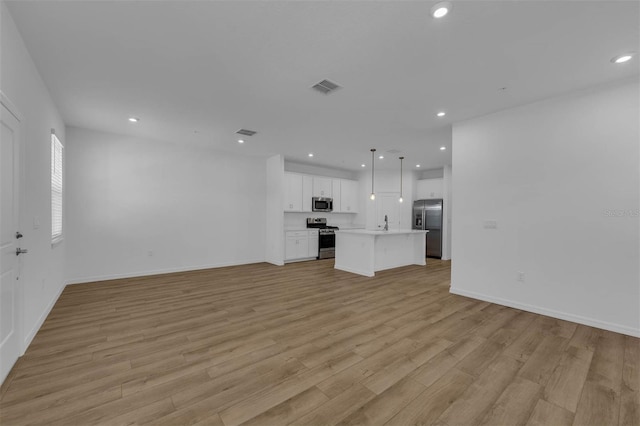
[322,204]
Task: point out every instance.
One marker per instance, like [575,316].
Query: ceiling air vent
[246,132]
[326,87]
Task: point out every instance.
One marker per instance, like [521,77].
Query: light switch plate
[36,222]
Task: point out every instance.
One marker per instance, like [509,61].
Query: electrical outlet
[520,276]
[150,253]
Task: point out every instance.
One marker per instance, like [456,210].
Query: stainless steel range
[327,237]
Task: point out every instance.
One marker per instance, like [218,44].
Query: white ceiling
[217,66]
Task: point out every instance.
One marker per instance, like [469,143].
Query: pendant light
[373,163]
[400,199]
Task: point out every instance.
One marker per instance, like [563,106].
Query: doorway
[10,289]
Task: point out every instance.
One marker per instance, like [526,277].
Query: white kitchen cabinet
[297,196]
[301,245]
[299,189]
[335,194]
[293,192]
[348,196]
[307,192]
[314,241]
[322,186]
[291,248]
[429,188]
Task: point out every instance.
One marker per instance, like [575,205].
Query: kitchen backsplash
[293,220]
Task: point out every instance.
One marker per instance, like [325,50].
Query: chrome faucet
[386,223]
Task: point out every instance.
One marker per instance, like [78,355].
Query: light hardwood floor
[308,345]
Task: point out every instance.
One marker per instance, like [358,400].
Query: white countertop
[374,232]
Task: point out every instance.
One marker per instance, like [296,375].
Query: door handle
[20,251]
[18,235]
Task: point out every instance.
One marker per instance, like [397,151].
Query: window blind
[56,188]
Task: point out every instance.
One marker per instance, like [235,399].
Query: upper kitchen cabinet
[335,193]
[322,187]
[307,190]
[297,197]
[429,188]
[300,189]
[348,196]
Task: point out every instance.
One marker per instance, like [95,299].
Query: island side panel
[396,250]
[354,253]
[420,250]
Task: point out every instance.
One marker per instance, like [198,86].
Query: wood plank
[477,360]
[515,405]
[609,356]
[629,408]
[585,337]
[599,405]
[473,404]
[543,361]
[430,404]
[545,414]
[630,393]
[563,388]
[385,405]
[337,408]
[291,409]
[272,345]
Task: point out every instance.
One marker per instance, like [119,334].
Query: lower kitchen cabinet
[301,245]
[314,243]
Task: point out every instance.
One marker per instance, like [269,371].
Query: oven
[327,243]
[326,237]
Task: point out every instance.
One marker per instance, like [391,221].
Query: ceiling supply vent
[246,132]
[326,87]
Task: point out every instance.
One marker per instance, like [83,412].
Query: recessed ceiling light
[240,141]
[363,165]
[381,157]
[442,148]
[440,9]
[311,154]
[441,114]
[621,59]
[134,119]
[418,165]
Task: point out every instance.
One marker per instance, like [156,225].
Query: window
[56,189]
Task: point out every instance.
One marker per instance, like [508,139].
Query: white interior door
[10,348]
[388,204]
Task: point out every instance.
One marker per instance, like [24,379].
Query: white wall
[318,170]
[43,267]
[551,174]
[447,211]
[386,182]
[138,207]
[431,174]
[274,220]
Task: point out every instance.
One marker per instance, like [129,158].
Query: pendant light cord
[373,166]
[401,158]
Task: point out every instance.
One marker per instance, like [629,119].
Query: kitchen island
[364,252]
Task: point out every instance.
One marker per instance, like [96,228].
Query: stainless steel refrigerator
[427,215]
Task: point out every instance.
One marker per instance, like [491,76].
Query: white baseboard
[29,337]
[549,312]
[89,279]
